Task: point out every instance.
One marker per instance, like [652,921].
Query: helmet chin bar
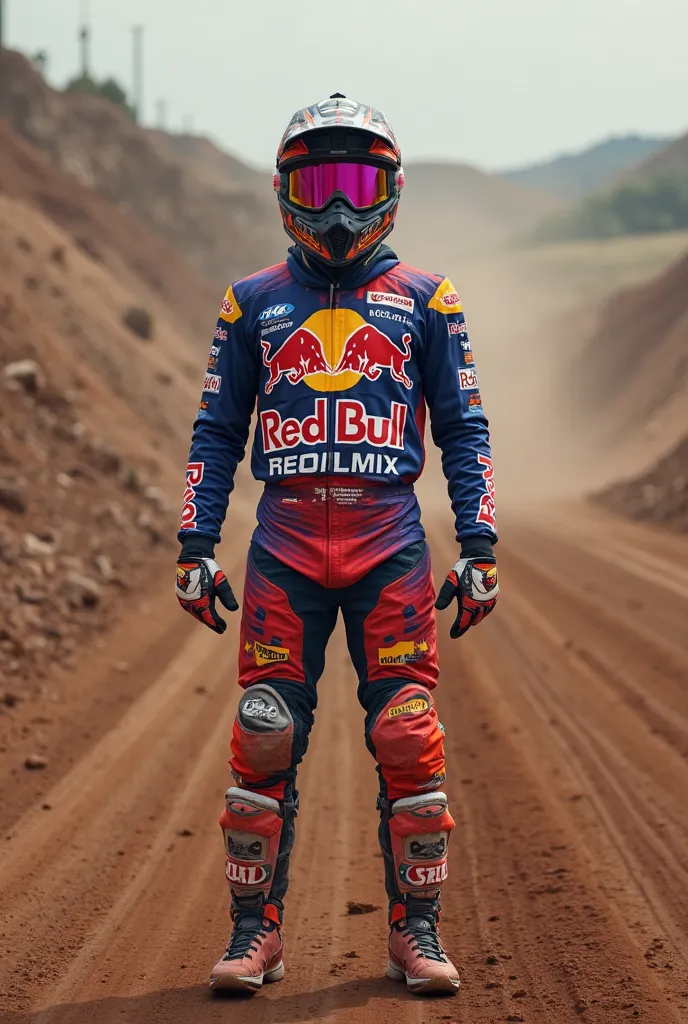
[338,236]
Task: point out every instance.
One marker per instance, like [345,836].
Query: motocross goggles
[361,184]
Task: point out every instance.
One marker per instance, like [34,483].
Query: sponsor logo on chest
[276,312]
[389,299]
[352,425]
[333,350]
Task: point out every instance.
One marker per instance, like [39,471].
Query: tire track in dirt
[568,869]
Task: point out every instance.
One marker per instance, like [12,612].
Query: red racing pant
[287,620]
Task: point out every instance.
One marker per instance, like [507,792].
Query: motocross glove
[200,580]
[473,582]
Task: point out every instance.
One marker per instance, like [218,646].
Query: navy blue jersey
[340,377]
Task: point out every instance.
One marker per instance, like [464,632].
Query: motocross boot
[254,952]
[415,951]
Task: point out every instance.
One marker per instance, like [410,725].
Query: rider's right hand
[199,582]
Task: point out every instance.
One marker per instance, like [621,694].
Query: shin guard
[252,826]
[419,830]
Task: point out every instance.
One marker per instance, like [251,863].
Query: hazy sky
[492,82]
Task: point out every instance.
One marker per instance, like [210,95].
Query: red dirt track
[567,738]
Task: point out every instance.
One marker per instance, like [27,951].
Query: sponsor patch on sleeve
[468,379]
[486,509]
[446,299]
[212,383]
[194,476]
[229,310]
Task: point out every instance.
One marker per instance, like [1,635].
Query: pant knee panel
[266,764]
[408,742]
[263,735]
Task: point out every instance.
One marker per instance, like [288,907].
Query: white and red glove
[200,581]
[473,582]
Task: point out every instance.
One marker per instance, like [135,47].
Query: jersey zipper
[330,445]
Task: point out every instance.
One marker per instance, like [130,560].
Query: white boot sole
[247,983]
[420,985]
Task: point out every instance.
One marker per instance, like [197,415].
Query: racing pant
[287,620]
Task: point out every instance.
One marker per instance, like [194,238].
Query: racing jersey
[339,376]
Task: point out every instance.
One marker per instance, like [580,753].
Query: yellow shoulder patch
[230,311]
[446,300]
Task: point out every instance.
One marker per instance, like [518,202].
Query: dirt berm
[631,381]
[106,234]
[97,143]
[659,496]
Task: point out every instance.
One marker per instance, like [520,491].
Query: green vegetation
[649,205]
[109,88]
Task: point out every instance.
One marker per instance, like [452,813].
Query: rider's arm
[220,431]
[458,422]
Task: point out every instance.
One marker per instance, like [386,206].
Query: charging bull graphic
[368,351]
[328,366]
[301,354]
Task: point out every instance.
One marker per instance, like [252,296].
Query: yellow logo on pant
[266,654]
[403,653]
[411,707]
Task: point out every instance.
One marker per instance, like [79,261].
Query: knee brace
[407,741]
[419,828]
[263,735]
[252,825]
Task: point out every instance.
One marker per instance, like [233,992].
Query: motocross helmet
[338,179]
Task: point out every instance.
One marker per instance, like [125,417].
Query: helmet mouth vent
[338,241]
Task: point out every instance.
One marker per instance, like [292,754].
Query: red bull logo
[352,425]
[194,475]
[486,512]
[300,356]
[333,350]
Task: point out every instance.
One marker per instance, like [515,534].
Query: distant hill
[650,197]
[444,208]
[673,158]
[448,209]
[575,175]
